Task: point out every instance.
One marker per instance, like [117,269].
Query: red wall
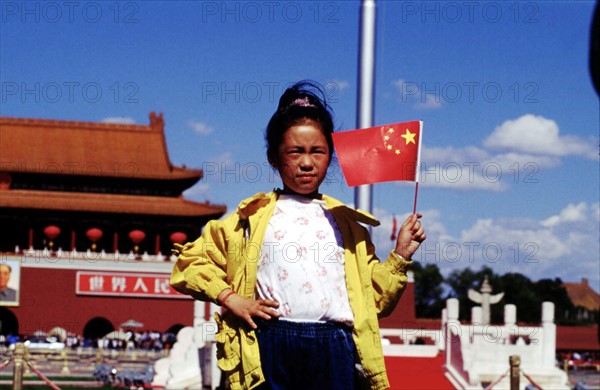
[404,314]
[48,299]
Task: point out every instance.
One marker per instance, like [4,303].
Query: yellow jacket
[227,254]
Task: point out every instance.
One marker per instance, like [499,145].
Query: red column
[115,242]
[157,245]
[73,240]
[30,237]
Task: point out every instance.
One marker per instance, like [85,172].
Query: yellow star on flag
[409,137]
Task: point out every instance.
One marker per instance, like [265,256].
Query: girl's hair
[302,102]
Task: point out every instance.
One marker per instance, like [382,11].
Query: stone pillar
[442,342]
[452,323]
[476,315]
[548,335]
[510,315]
[510,319]
[452,309]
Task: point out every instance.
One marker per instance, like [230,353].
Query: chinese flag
[380,153]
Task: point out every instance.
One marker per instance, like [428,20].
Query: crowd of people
[146,340]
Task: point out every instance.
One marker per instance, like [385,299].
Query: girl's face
[302,159]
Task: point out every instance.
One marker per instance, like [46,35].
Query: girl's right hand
[247,308]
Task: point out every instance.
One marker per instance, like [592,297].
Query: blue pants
[306,355]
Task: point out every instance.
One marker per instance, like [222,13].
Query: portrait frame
[10,296]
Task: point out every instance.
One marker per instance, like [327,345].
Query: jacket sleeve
[201,267]
[388,279]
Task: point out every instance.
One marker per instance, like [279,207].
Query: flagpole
[418,166]
[415,201]
[366,87]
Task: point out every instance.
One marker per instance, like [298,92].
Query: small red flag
[394,228]
[381,153]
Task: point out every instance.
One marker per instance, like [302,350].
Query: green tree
[554,291]
[518,290]
[429,301]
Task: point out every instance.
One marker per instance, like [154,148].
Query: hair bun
[304,94]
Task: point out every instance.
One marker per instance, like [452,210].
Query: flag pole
[366,87]
[416,194]
[418,167]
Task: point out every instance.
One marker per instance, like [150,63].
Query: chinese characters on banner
[126,284]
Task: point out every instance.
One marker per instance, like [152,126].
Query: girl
[296,271]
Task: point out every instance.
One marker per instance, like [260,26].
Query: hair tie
[302,102]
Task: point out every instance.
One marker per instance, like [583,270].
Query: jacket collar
[250,206]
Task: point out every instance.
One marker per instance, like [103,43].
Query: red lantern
[94,234]
[52,231]
[137,236]
[178,237]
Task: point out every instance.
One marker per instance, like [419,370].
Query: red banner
[126,285]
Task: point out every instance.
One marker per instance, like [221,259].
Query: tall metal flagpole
[366,87]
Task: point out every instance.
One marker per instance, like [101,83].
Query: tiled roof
[583,295]
[107,203]
[88,148]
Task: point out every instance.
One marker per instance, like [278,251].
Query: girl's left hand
[410,236]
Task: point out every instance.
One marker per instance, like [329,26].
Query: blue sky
[511,121]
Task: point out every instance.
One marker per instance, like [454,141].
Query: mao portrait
[9,283]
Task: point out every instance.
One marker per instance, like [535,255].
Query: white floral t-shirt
[301,264]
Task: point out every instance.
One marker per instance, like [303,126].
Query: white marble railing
[412,342]
[90,255]
[478,354]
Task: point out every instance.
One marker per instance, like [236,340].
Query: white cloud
[572,213]
[473,168]
[562,246]
[200,127]
[198,191]
[411,92]
[123,120]
[535,134]
[382,233]
[463,177]
[533,143]
[567,247]
[340,85]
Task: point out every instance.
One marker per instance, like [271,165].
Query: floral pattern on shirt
[302,262]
